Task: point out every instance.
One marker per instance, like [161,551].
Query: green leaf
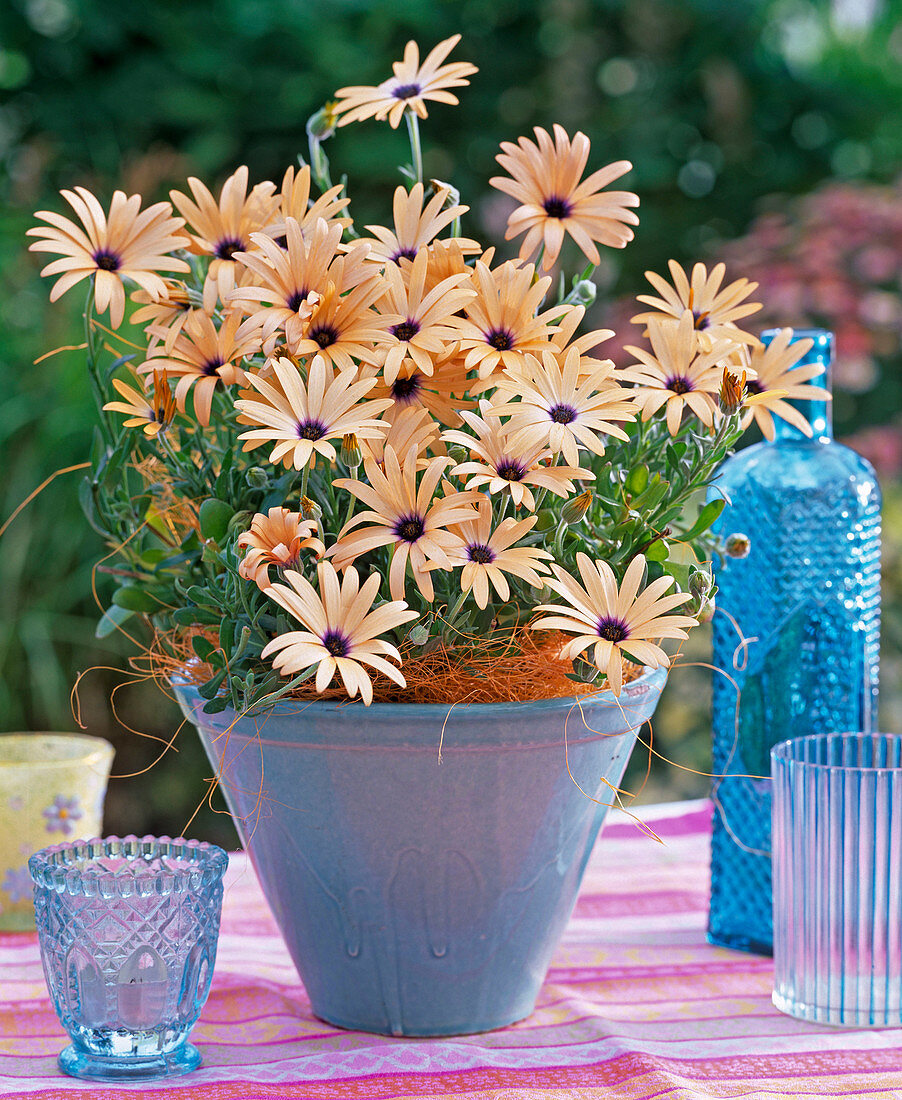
[214,518]
[131,598]
[203,647]
[214,706]
[658,551]
[111,620]
[209,689]
[637,479]
[706,516]
[195,616]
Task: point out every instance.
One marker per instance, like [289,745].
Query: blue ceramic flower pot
[422,865]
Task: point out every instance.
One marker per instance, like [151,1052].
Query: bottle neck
[817,412]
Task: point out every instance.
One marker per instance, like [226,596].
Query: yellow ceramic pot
[52,787]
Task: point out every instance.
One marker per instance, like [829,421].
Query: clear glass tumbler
[837,874]
[128,931]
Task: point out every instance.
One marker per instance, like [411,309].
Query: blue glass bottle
[804,649]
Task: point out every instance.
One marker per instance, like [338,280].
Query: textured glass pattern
[797,632]
[837,861]
[128,931]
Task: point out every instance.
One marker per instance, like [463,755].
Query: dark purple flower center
[324,335]
[562,414]
[480,553]
[702,320]
[406,389]
[754,386]
[311,429]
[297,299]
[228,246]
[406,330]
[678,384]
[406,91]
[410,528]
[500,339]
[281,241]
[556,207]
[336,643]
[611,629]
[106,260]
[510,469]
[212,366]
[405,254]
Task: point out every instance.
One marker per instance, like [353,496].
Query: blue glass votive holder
[837,872]
[128,931]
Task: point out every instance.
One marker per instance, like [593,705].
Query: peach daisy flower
[152,416]
[503,466]
[294,202]
[616,621]
[446,257]
[714,310]
[290,282]
[168,312]
[439,392]
[129,243]
[546,182]
[560,410]
[301,415]
[409,88]
[224,228]
[415,226]
[343,327]
[776,373]
[565,338]
[276,538]
[486,555]
[427,322]
[407,517]
[677,373]
[342,632]
[411,427]
[501,324]
[202,358]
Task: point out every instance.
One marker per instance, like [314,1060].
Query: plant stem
[416,152]
[91,359]
[305,477]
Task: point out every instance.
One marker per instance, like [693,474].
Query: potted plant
[381,464]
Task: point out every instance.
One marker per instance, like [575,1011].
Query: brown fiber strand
[41,488]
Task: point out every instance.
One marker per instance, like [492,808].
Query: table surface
[636,1005]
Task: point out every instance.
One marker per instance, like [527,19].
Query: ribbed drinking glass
[837,875]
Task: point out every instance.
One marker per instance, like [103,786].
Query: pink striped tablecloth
[636,1005]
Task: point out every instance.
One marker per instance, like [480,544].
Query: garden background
[765,132]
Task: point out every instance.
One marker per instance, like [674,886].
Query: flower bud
[585,291]
[458,454]
[310,509]
[737,545]
[256,477]
[732,392]
[321,124]
[451,199]
[350,451]
[703,590]
[574,510]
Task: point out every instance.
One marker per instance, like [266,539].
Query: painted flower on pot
[400,447]
[61,815]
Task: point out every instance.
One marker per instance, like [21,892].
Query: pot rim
[650,680]
[96,749]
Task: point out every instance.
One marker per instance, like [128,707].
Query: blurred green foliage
[716,103]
